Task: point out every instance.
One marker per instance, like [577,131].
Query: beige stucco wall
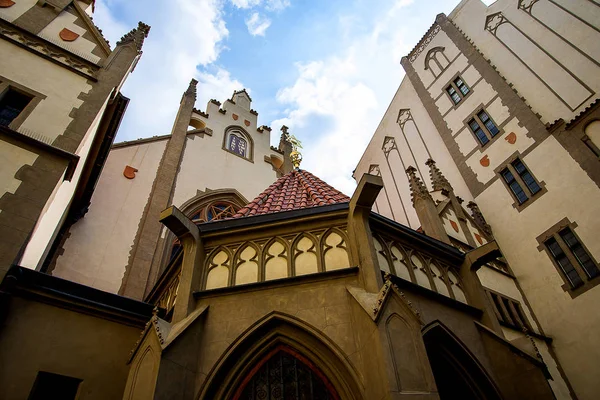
[97,250]
[12,158]
[409,143]
[16,10]
[80,46]
[61,87]
[542,52]
[573,323]
[206,165]
[39,337]
[57,205]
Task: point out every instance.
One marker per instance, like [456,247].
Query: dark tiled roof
[293,191]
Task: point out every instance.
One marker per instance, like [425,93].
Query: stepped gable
[296,190]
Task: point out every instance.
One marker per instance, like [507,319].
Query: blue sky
[328,69]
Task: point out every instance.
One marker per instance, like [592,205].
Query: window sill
[522,206]
[581,289]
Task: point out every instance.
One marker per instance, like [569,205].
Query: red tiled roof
[293,191]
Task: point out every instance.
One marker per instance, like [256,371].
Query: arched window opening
[436,61]
[285,374]
[215,211]
[457,374]
[238,142]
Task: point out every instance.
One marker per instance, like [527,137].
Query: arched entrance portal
[285,374]
[458,375]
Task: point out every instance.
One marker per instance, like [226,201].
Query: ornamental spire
[478,217]
[418,190]
[136,35]
[295,155]
[438,180]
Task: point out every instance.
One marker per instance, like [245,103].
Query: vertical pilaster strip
[137,272]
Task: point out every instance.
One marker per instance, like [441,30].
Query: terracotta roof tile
[293,191]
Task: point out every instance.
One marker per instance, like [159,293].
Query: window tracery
[238,142]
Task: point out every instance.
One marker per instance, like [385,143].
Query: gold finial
[295,155]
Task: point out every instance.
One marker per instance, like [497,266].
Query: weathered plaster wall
[12,158]
[67,343]
[97,250]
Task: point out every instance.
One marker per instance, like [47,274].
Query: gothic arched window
[284,374]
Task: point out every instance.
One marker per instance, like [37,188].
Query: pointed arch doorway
[284,373]
[457,373]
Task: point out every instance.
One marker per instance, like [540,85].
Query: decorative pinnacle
[418,190]
[136,35]
[295,155]
[438,180]
[191,90]
[478,217]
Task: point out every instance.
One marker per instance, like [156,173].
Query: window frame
[474,116]
[241,132]
[36,98]
[507,310]
[554,233]
[508,165]
[452,84]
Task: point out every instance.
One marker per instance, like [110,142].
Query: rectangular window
[483,139]
[12,104]
[520,181]
[582,257]
[53,386]
[460,84]
[515,187]
[509,311]
[563,262]
[453,95]
[489,124]
[457,90]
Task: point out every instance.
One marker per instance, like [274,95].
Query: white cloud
[272,5]
[185,35]
[257,24]
[349,90]
[219,85]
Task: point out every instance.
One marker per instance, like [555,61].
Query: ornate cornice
[424,42]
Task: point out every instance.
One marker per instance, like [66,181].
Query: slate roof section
[296,190]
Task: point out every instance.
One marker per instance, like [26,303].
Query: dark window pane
[461,86]
[455,97]
[579,252]
[54,386]
[514,186]
[237,145]
[563,262]
[489,124]
[11,105]
[483,139]
[526,176]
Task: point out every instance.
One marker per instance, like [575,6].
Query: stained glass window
[284,376]
[237,145]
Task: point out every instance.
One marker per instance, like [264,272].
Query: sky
[327,69]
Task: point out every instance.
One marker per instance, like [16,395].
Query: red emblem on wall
[511,138]
[246,122]
[68,35]
[6,3]
[479,239]
[485,161]
[129,172]
[234,116]
[454,225]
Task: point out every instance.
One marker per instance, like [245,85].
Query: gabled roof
[295,190]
